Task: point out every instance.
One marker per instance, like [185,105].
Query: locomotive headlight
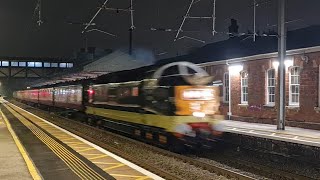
[199,114]
[198,94]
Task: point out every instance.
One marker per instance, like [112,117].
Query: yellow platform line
[89,154]
[116,165]
[67,139]
[83,150]
[74,143]
[62,136]
[143,178]
[80,147]
[70,142]
[69,158]
[78,166]
[31,167]
[57,150]
[124,175]
[98,157]
[113,167]
[105,163]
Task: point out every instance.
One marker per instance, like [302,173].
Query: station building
[253,70]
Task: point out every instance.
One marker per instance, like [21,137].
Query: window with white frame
[244,87]
[271,86]
[294,86]
[226,87]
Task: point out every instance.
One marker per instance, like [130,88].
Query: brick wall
[306,115]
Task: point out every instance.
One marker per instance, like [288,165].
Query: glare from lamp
[288,62]
[235,69]
[275,64]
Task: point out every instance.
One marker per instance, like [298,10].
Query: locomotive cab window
[171,77]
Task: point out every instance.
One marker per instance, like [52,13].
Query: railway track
[263,170]
[195,161]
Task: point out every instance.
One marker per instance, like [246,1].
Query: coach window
[244,87]
[226,87]
[294,86]
[271,87]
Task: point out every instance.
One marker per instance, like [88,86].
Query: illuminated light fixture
[199,114]
[235,69]
[287,63]
[275,64]
[90,91]
[198,94]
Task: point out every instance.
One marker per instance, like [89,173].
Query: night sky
[20,35]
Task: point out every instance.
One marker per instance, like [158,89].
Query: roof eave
[261,56]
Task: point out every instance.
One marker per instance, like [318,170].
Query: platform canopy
[116,61]
[68,78]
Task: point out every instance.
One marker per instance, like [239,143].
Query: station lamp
[235,69]
[287,62]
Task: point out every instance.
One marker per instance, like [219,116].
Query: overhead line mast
[38,11]
[95,15]
[187,16]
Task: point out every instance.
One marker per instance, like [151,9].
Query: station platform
[51,152]
[13,165]
[290,134]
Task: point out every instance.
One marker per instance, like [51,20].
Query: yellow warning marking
[113,167]
[70,142]
[105,163]
[79,147]
[83,150]
[98,157]
[88,154]
[75,164]
[143,178]
[74,143]
[67,139]
[31,167]
[62,136]
[124,175]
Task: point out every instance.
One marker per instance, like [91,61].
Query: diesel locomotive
[176,104]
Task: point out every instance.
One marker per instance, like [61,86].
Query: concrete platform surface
[12,164]
[290,134]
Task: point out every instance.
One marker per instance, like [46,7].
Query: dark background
[20,35]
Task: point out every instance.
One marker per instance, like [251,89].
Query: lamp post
[281,72]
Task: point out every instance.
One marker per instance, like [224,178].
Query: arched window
[244,87]
[271,86]
[226,87]
[294,86]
